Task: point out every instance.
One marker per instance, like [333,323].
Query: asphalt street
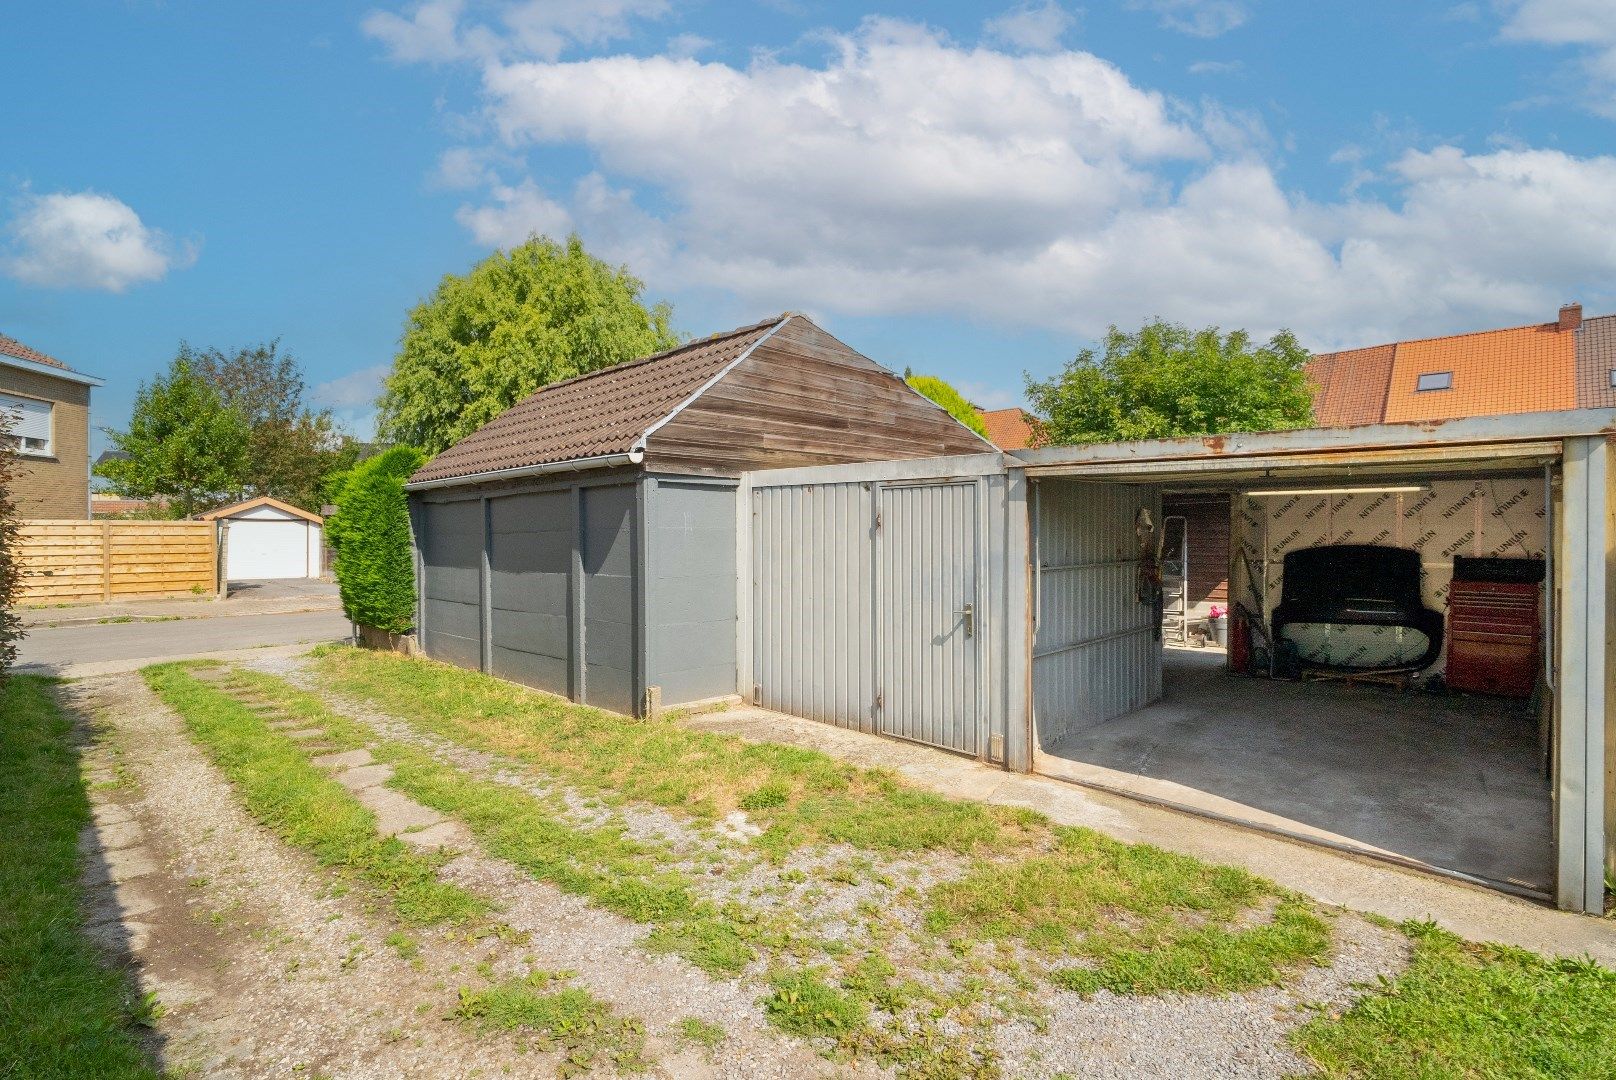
[57,650]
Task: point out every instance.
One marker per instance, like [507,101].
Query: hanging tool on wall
[1148,583]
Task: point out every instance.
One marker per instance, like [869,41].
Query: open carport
[1506,791]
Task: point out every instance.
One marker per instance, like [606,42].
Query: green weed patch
[62,1014]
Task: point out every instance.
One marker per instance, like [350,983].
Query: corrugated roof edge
[636,450]
[1472,429]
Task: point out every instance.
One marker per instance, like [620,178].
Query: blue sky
[974,191]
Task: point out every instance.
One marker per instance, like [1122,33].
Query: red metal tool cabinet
[1495,637]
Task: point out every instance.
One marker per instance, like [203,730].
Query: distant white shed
[267,538]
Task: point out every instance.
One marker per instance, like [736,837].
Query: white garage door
[267,549]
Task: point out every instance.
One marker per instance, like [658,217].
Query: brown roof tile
[1596,360]
[12,347]
[1351,385]
[594,415]
[1520,369]
[1011,429]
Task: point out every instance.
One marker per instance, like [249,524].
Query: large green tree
[521,319]
[951,400]
[1166,380]
[184,446]
[291,448]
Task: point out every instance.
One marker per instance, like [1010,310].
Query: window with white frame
[1434,380]
[30,422]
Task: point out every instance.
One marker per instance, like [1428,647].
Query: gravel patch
[1177,1036]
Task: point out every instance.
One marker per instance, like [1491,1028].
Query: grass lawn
[61,1013]
[1464,1010]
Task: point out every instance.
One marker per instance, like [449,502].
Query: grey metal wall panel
[451,565]
[1095,651]
[607,548]
[813,610]
[530,538]
[928,658]
[690,588]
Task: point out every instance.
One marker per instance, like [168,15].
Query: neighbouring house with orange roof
[1569,363]
[1544,367]
[1012,429]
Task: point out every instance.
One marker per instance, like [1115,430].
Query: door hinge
[757,693]
[878,519]
[879,701]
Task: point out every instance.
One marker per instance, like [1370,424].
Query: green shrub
[370,534]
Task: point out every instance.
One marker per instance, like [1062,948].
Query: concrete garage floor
[1454,783]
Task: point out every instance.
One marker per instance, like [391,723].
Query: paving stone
[110,837]
[115,902]
[115,866]
[395,812]
[445,834]
[120,937]
[366,776]
[111,813]
[348,759]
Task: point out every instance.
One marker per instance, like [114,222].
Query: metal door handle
[969,611]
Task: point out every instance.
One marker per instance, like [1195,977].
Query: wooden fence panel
[66,562]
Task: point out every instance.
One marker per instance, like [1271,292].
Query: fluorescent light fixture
[1390,489]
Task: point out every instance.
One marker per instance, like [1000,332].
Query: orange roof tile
[1521,369]
[1011,429]
[1350,386]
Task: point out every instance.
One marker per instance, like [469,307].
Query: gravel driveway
[265,969]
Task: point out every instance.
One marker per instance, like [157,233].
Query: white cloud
[1587,25]
[687,45]
[909,174]
[517,212]
[353,390]
[87,240]
[1034,27]
[1200,18]
[436,31]
[1216,67]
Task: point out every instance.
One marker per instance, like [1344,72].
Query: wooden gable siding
[804,398]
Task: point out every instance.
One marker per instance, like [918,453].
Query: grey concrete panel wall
[530,538]
[690,588]
[607,549]
[1095,651]
[451,587]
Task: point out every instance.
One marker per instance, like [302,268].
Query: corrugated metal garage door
[861,624]
[607,548]
[451,569]
[813,599]
[927,615]
[1096,655]
[530,560]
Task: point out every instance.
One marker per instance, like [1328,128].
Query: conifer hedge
[370,536]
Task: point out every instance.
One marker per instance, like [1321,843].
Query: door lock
[969,611]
